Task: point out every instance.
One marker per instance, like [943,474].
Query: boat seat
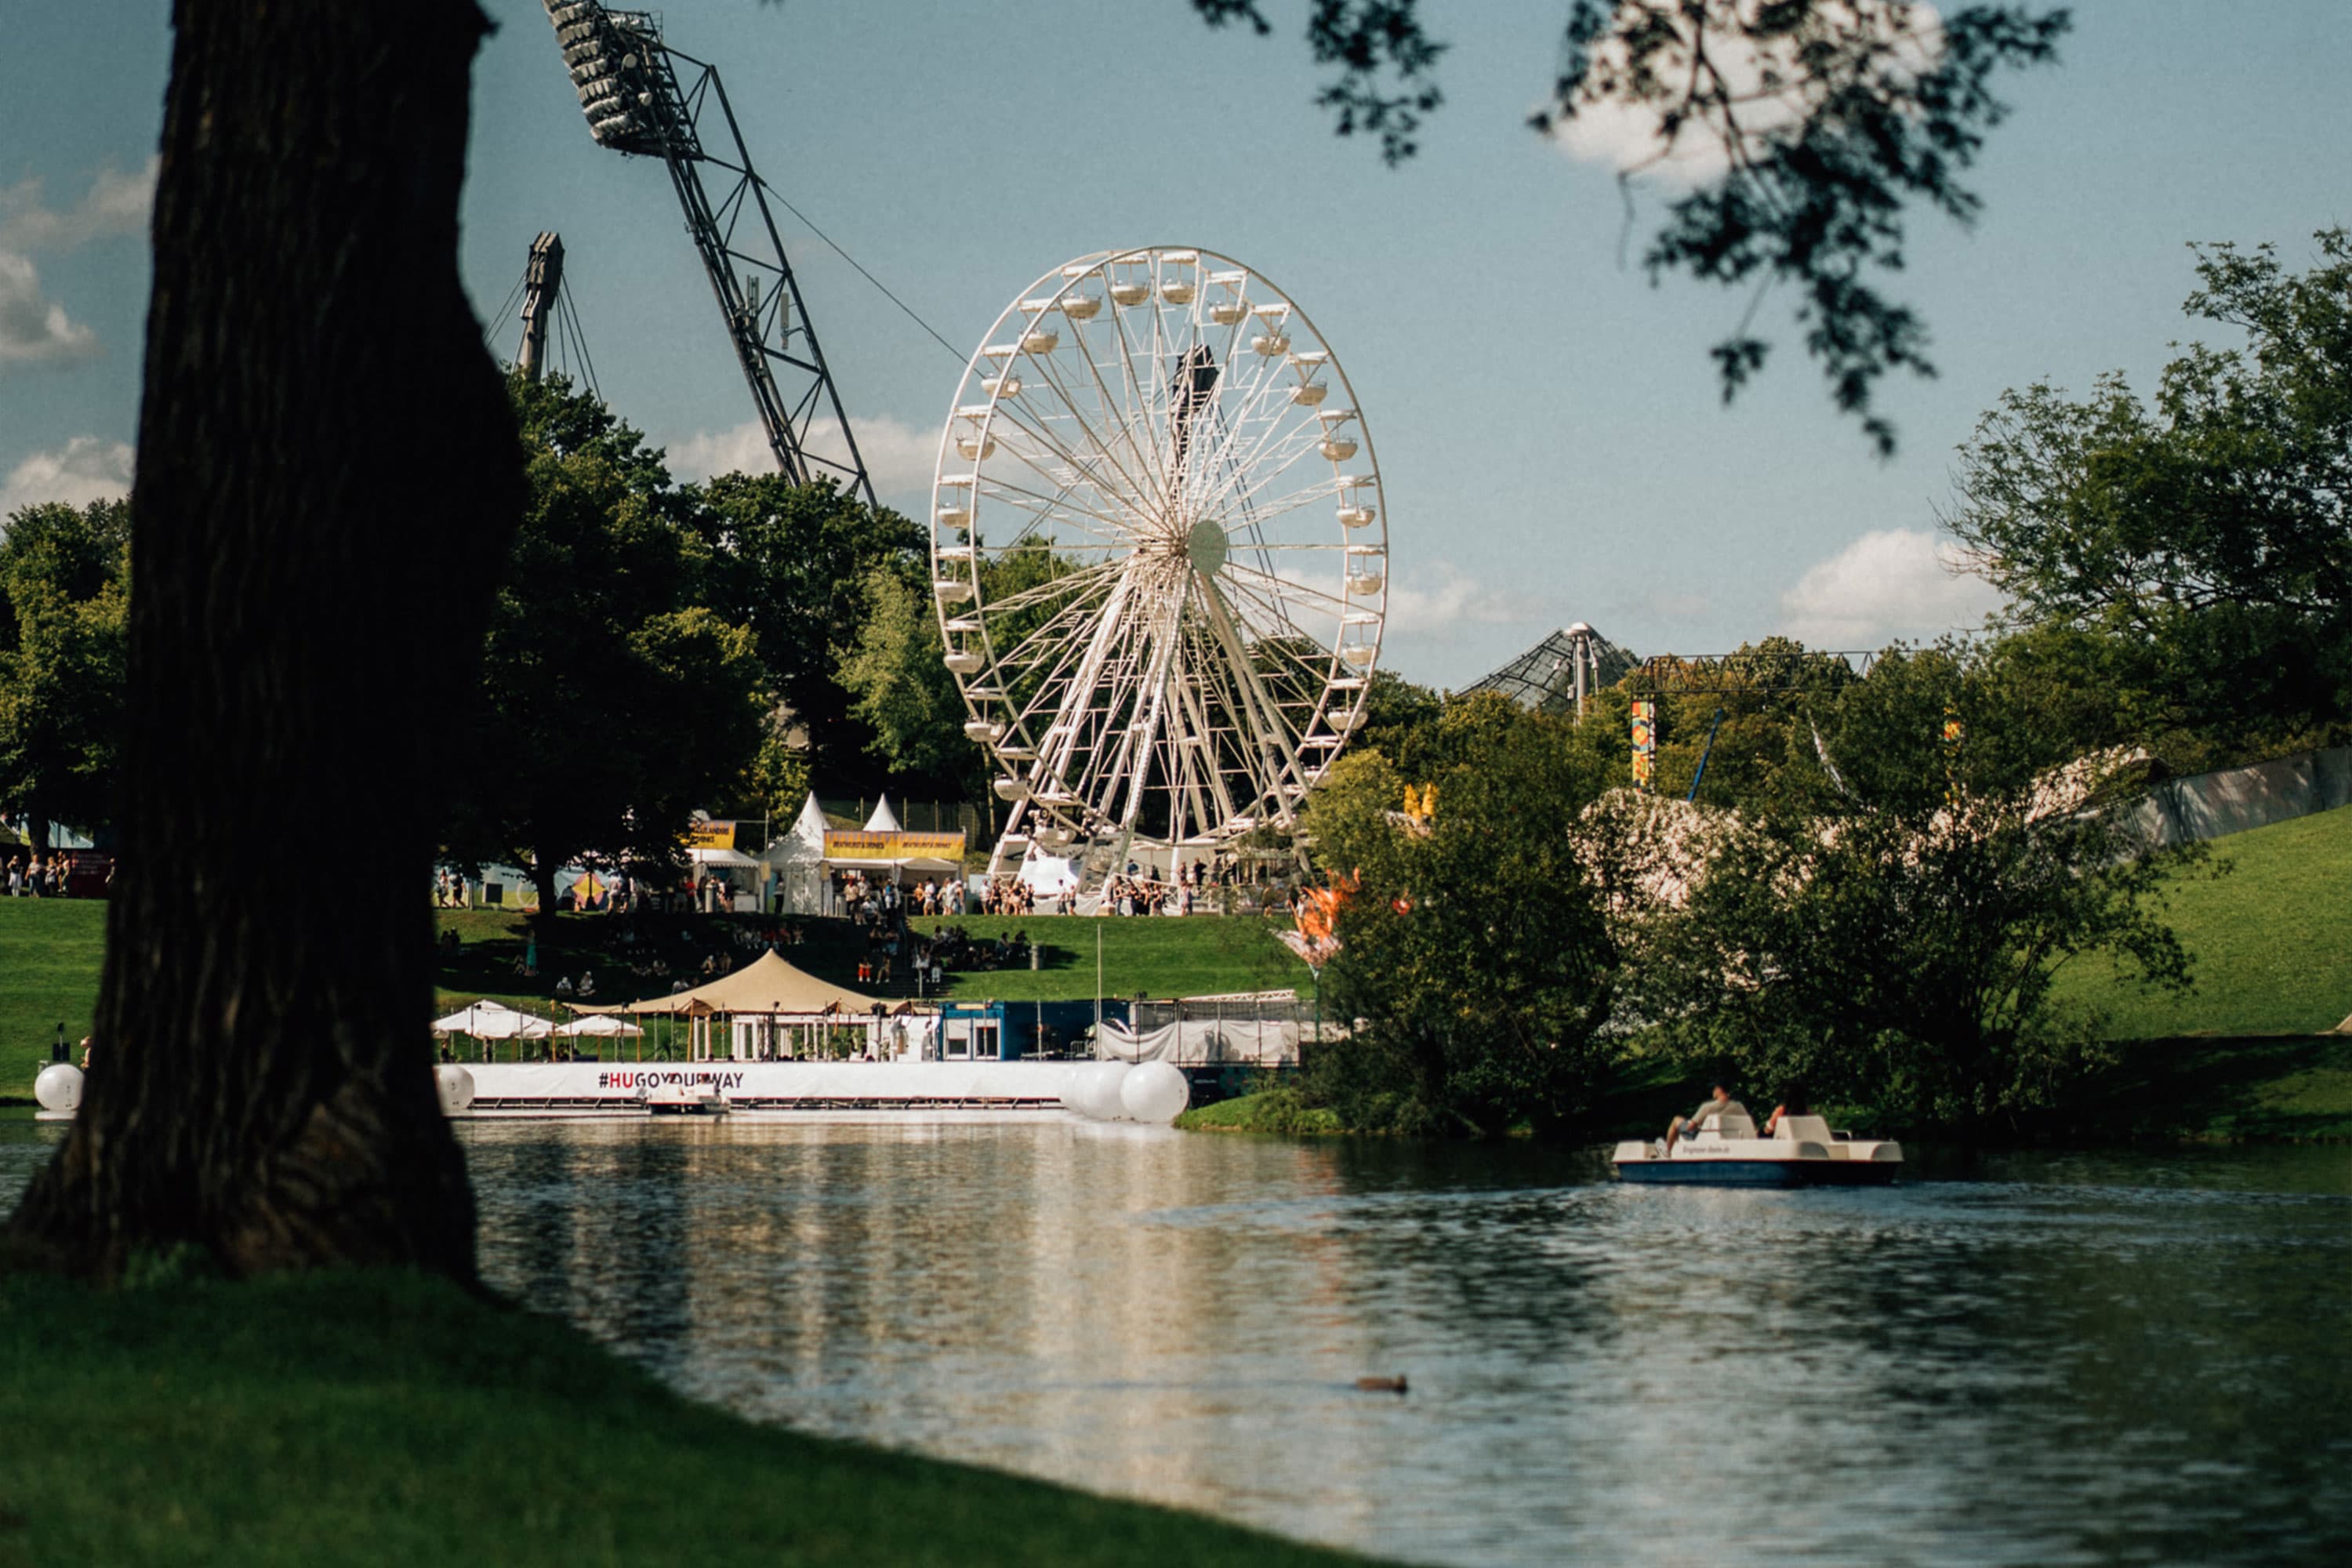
[1805,1130]
[1728,1126]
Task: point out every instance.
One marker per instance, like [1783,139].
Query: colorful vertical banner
[1645,741]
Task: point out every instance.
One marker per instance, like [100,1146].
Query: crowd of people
[29,874]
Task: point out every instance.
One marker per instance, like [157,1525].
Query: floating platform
[627,1090]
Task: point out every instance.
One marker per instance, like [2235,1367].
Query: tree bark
[328,476]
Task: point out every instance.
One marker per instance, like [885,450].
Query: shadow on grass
[2254,1088]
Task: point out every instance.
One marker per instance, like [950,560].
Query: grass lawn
[1196,955]
[2272,937]
[50,950]
[361,1418]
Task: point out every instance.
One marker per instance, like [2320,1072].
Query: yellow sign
[864,846]
[713,836]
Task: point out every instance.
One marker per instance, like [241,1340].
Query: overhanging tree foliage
[1828,120]
[328,479]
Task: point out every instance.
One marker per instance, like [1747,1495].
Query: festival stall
[883,850]
[774,1011]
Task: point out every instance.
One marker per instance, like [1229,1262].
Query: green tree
[1896,950]
[794,563]
[1401,718]
[612,704]
[1474,952]
[65,580]
[1751,719]
[2208,536]
[901,689]
[1829,119]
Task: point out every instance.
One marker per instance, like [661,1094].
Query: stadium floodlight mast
[629,82]
[1159,550]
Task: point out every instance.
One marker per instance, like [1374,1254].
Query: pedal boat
[1726,1152]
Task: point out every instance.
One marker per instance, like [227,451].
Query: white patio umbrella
[487,1020]
[598,1024]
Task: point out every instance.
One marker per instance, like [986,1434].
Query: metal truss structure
[642,97]
[1751,671]
[1559,674]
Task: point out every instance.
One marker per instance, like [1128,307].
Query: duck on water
[1719,1146]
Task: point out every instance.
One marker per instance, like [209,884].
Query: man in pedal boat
[1719,1103]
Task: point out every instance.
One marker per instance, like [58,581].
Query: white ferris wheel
[1158,552]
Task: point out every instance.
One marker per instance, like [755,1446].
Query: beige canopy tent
[767,998]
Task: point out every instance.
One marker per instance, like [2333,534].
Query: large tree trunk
[328,475]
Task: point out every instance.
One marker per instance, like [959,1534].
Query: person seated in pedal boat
[1792,1103]
[1718,1104]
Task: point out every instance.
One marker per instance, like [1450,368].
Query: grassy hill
[2269,925]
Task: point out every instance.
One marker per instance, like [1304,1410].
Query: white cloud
[1890,583]
[705,453]
[898,457]
[35,329]
[1631,137]
[85,469]
[1440,599]
[115,203]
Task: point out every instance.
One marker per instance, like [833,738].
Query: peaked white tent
[796,861]
[883,819]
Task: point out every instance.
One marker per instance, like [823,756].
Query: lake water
[2023,1358]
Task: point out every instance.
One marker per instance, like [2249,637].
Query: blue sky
[1549,434]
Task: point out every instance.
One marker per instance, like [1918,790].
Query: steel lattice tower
[643,97]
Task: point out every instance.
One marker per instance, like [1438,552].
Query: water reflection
[2048,1359]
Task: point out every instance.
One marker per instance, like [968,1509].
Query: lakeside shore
[188,1421]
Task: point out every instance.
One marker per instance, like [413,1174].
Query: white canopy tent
[883,819]
[796,861]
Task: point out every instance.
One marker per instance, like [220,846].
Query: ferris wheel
[1158,552]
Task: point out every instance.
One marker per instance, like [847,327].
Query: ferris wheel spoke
[1139,398]
[1114,530]
[1322,490]
[1066,484]
[1282,587]
[1273,736]
[1078,586]
[1138,489]
[1247,486]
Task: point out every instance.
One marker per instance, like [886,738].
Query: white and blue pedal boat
[1726,1152]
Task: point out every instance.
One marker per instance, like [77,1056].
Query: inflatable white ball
[1098,1090]
[456,1086]
[1155,1093]
[59,1088]
[1073,1083]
